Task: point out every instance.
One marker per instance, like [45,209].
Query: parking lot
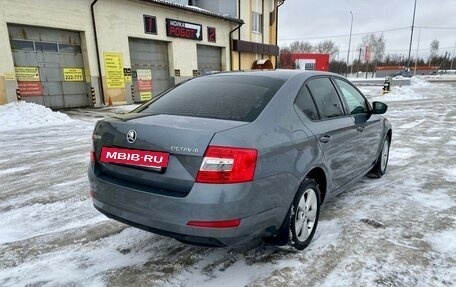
[399,230]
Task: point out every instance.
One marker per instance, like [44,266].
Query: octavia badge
[131,136]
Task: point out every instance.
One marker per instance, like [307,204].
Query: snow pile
[419,83]
[404,93]
[22,115]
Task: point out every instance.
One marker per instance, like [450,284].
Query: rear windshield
[227,97]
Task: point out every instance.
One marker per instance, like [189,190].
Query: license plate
[134,157]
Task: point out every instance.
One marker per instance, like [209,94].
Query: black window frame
[304,86]
[342,97]
[342,102]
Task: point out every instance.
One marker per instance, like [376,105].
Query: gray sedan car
[226,158]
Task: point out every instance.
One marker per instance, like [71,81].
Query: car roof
[279,74]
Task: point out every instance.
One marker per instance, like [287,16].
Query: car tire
[304,214]
[379,168]
[287,234]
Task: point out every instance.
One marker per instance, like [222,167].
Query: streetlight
[411,37]
[349,43]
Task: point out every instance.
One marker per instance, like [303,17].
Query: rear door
[333,130]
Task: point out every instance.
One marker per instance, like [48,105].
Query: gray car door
[333,131]
[369,127]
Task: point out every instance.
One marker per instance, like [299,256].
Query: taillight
[227,165]
[93,155]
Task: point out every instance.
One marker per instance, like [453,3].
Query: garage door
[49,66]
[209,59]
[150,68]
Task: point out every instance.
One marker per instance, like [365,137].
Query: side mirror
[379,108]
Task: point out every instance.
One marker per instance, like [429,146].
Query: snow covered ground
[399,230]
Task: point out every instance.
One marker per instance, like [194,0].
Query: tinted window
[46,47]
[22,45]
[68,48]
[228,97]
[355,101]
[326,98]
[306,104]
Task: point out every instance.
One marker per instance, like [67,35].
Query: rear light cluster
[93,155]
[227,165]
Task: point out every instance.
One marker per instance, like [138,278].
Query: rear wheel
[304,214]
[382,162]
[301,221]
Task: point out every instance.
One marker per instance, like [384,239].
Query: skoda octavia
[231,157]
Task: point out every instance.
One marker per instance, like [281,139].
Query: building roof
[195,10]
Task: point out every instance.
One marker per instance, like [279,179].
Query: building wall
[117,21]
[30,12]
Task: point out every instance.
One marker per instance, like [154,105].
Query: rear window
[227,97]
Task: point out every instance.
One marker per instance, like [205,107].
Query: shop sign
[27,74]
[127,75]
[144,80]
[187,30]
[114,70]
[11,76]
[145,96]
[150,24]
[30,88]
[73,75]
[211,34]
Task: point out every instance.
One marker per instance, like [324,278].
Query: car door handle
[325,139]
[360,128]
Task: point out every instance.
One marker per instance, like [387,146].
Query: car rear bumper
[261,205]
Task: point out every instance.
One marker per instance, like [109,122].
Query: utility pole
[417,48]
[454,55]
[411,37]
[349,43]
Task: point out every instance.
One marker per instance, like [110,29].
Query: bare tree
[376,46]
[327,47]
[286,60]
[434,48]
[301,47]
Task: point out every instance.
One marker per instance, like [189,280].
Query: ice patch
[401,156]
[451,174]
[437,200]
[327,233]
[444,242]
[22,115]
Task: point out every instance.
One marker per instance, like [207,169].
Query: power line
[345,35]
[366,33]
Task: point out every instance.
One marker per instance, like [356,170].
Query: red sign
[31,89]
[187,30]
[150,24]
[134,157]
[367,54]
[211,34]
[144,85]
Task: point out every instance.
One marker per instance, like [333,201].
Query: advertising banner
[114,70]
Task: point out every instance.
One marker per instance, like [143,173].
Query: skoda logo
[131,136]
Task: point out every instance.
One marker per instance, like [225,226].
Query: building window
[46,47]
[309,66]
[22,45]
[257,22]
[69,48]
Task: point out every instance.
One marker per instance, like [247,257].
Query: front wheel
[380,166]
[304,214]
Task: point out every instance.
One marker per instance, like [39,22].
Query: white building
[55,51]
